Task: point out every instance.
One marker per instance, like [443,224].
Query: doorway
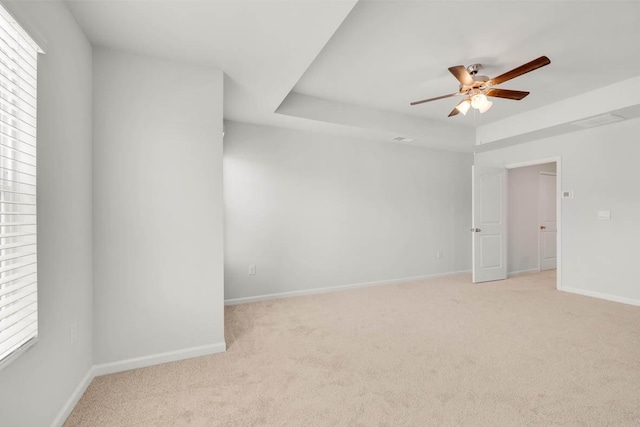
[531,218]
[521,202]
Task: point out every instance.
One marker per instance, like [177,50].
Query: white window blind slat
[16,86]
[7,281]
[17,65]
[14,323]
[16,200]
[12,236]
[13,175]
[11,154]
[28,210]
[16,146]
[8,107]
[20,199]
[16,266]
[17,125]
[27,63]
[24,139]
[11,225]
[13,97]
[15,301]
[25,227]
[9,164]
[15,333]
[23,242]
[18,301]
[16,37]
[20,282]
[17,255]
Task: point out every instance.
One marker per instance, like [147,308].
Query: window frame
[10,180]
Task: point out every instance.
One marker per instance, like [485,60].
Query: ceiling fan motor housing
[479,80]
[474,68]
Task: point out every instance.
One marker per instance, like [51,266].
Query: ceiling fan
[477,88]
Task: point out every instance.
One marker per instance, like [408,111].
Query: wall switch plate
[252,269]
[604,215]
[438,254]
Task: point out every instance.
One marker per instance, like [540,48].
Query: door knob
[542,227]
[475,230]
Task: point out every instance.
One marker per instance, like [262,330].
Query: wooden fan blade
[453,112]
[523,69]
[435,99]
[516,95]
[460,72]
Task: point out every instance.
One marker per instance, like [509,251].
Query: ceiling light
[464,106]
[486,106]
[478,100]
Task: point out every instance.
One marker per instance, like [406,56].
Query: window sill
[18,352]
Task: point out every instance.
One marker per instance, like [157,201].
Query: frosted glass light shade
[464,106]
[478,100]
[486,106]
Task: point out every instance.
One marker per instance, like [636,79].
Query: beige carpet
[430,353]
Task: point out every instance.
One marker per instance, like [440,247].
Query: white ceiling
[387,54]
[262,46]
[354,70]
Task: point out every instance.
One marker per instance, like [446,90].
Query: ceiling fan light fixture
[478,100]
[485,107]
[464,106]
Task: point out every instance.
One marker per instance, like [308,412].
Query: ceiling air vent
[604,119]
[401,139]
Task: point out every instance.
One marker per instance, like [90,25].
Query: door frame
[558,162]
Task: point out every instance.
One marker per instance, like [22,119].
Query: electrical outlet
[438,254]
[252,269]
[73,332]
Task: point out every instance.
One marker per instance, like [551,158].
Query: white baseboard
[291,294]
[156,359]
[600,295]
[531,270]
[73,399]
[128,364]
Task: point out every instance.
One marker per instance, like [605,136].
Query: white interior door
[548,232]
[489,224]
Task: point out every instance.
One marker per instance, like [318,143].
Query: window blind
[18,240]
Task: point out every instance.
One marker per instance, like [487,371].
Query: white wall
[600,165]
[314,211]
[35,386]
[158,215]
[522,214]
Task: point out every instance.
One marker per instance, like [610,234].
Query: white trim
[558,161]
[74,398]
[547,173]
[533,163]
[600,295]
[291,294]
[156,359]
[128,364]
[530,270]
